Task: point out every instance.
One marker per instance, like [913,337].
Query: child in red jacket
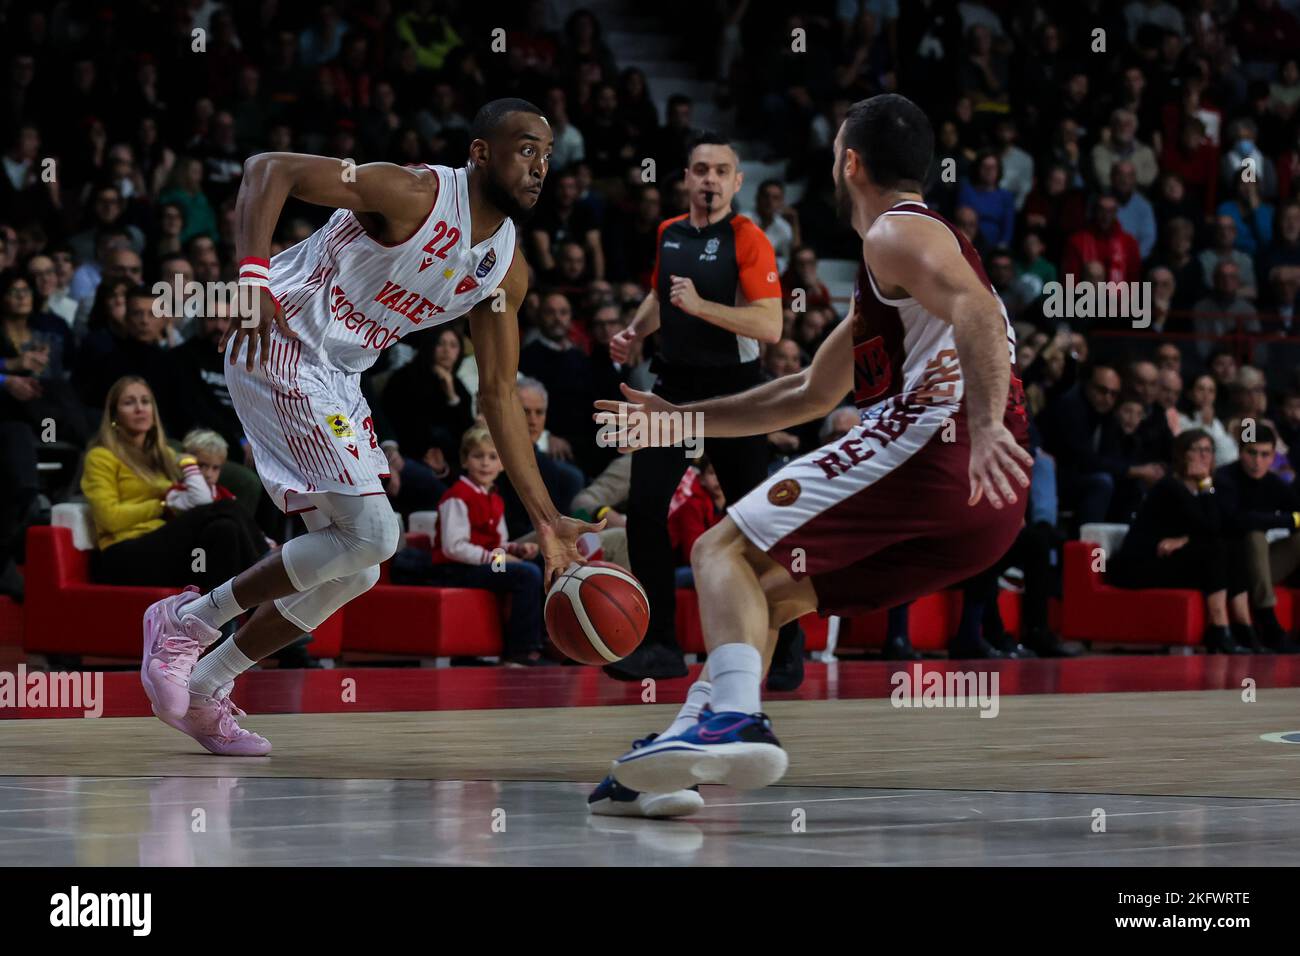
[696,506]
[471,550]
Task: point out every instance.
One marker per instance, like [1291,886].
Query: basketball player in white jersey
[925,491]
[407,249]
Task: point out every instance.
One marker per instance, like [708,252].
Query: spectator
[1119,143]
[1244,160]
[1075,429]
[1225,310]
[136,349]
[696,506]
[1135,215]
[1177,256]
[996,206]
[1258,506]
[1176,541]
[802,276]
[472,549]
[565,371]
[146,534]
[186,191]
[569,145]
[1192,157]
[35,352]
[779,222]
[1017,165]
[566,221]
[426,403]
[197,394]
[563,480]
[1198,411]
[1104,241]
[1252,218]
[51,298]
[107,212]
[631,254]
[1055,208]
[428,32]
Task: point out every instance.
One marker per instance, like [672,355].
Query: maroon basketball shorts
[880,516]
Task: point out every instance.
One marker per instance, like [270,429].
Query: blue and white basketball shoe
[731,748]
[612,799]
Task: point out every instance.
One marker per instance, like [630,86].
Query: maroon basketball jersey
[904,353]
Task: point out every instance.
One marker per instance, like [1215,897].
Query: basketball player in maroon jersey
[927,490]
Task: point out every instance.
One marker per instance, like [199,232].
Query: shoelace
[183,655]
[227,712]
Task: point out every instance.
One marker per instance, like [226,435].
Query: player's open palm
[559,544]
[255,330]
[998,465]
[635,423]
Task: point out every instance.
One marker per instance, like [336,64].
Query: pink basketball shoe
[212,722]
[171,649]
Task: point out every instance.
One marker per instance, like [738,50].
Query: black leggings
[1202,563]
[229,538]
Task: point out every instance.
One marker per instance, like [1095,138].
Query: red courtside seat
[423,621]
[61,602]
[1097,611]
[931,620]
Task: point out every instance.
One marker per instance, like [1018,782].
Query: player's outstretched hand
[632,424]
[559,544]
[997,464]
[255,329]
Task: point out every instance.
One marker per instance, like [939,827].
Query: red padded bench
[421,621]
[1097,611]
[64,613]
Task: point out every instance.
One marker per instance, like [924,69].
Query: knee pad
[363,531]
[311,608]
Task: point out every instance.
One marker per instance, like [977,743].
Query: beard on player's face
[500,195]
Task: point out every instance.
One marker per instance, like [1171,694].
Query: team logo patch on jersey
[448,273]
[339,425]
[489,262]
[465,285]
[785,492]
[711,246]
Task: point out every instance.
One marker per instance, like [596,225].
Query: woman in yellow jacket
[151,530]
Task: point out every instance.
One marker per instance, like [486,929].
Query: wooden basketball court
[1181,777]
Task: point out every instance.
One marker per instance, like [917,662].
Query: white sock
[736,671]
[216,608]
[217,668]
[689,715]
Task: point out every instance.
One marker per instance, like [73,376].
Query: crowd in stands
[1163,150]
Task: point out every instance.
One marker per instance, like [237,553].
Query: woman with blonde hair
[147,531]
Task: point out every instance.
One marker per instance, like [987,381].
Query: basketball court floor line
[423,822]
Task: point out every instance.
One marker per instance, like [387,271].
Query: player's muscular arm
[496,349]
[781,403]
[920,258]
[400,196]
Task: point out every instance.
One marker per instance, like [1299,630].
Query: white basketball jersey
[349,296]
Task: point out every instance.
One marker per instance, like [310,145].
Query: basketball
[597,613]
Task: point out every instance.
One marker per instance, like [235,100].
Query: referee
[714,297]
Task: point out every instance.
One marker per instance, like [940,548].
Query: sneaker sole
[650,806]
[175,725]
[745,766]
